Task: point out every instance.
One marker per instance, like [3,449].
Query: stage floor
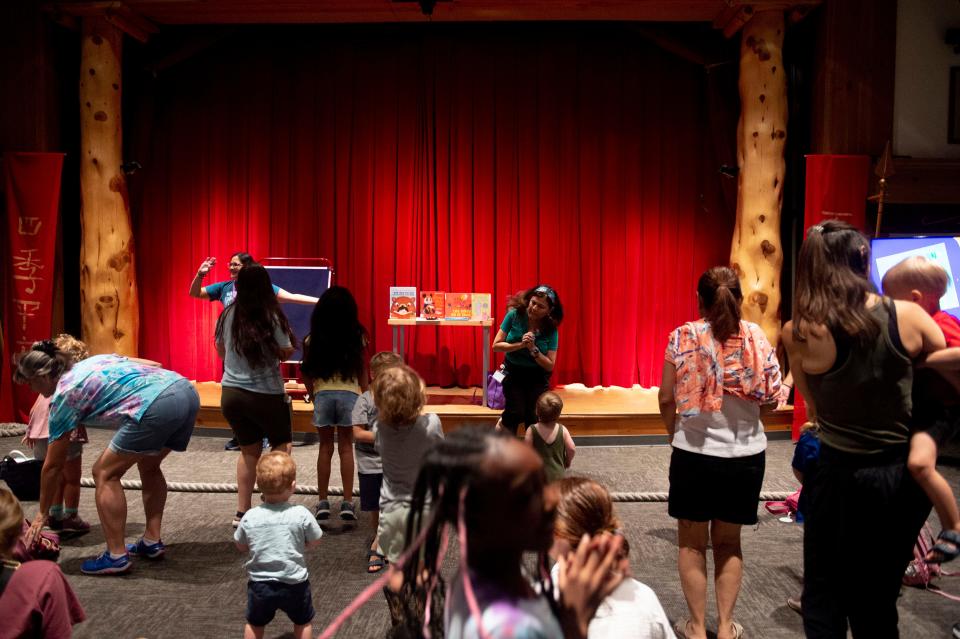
[587,412]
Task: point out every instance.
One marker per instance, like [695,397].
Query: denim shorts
[265,598]
[167,423]
[333,408]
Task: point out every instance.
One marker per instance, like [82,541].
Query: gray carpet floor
[199,589]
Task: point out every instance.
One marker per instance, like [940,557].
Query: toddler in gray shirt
[276,534]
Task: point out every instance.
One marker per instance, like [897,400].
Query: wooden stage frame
[587,412]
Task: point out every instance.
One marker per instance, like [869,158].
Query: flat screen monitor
[889,251]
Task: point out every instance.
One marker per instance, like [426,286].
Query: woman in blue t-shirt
[528,336]
[225,292]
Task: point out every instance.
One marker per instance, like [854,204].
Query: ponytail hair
[585,508]
[44,359]
[832,283]
[720,298]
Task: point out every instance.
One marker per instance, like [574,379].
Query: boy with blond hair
[369,466]
[919,280]
[551,439]
[924,282]
[403,436]
[276,534]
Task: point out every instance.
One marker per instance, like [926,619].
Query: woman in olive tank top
[851,353]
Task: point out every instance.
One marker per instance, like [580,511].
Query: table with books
[460,309]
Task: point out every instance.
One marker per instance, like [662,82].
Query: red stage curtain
[836,189]
[468,160]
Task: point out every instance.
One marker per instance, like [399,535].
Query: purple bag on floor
[495,398]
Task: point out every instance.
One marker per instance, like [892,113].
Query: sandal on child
[946,549]
[680,628]
[375,562]
[737,630]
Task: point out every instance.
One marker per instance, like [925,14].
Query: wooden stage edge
[588,412]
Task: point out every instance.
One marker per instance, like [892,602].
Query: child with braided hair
[469,480]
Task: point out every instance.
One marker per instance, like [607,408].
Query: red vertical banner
[32,182]
[836,190]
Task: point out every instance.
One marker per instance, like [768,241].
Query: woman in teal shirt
[528,336]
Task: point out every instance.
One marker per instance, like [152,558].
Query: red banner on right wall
[836,190]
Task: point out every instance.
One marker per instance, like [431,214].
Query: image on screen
[945,251]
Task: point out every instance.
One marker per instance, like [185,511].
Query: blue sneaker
[232,444]
[106,565]
[151,551]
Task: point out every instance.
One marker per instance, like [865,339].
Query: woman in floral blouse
[719,371]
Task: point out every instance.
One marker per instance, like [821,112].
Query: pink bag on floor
[788,506]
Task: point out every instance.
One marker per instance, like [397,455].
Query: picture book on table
[481,306]
[431,305]
[403,302]
[458,306]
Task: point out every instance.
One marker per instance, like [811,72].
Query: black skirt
[707,488]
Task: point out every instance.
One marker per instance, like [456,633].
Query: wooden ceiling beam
[378,11]
[119,14]
[737,13]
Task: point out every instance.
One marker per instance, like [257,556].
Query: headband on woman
[549,292]
[46,346]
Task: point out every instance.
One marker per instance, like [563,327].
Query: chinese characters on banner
[836,190]
[32,201]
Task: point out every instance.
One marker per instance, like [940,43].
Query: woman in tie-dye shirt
[719,371]
[153,411]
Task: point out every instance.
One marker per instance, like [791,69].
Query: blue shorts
[265,598]
[370,484]
[333,408]
[168,423]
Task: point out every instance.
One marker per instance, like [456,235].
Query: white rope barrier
[205,487]
[18,430]
[12,430]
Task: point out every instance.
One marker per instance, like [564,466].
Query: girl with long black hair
[253,336]
[332,369]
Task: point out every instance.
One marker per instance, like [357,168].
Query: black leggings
[521,388]
[862,519]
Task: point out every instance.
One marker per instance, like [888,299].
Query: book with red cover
[458,306]
[403,302]
[431,305]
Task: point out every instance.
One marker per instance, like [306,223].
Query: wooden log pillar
[756,254]
[110,318]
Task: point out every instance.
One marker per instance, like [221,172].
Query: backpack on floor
[919,573]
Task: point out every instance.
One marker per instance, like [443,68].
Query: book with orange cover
[458,306]
[481,306]
[403,302]
[431,305]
